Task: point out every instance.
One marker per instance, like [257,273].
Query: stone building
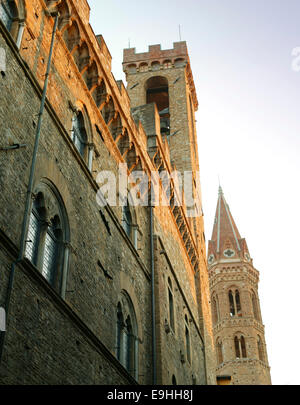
[98,293]
[237,322]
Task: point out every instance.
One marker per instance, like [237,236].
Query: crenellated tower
[161,80]
[237,322]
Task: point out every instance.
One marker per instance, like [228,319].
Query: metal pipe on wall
[154,373]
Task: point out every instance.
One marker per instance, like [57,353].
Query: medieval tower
[160,82]
[237,323]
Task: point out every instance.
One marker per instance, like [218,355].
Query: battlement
[155,52]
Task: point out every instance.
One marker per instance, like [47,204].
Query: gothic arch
[116,127]
[108,110]
[219,350]
[48,235]
[64,15]
[92,76]
[234,300]
[127,339]
[71,36]
[83,58]
[100,94]
[215,309]
[260,348]
[240,347]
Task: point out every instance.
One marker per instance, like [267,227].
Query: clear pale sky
[248,126]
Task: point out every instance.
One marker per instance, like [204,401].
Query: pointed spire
[226,240]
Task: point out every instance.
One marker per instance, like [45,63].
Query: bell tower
[237,323]
[164,77]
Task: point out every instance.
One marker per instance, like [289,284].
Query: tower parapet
[157,59]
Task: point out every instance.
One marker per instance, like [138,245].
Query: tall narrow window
[234,303]
[187,340]
[260,349]
[240,347]
[243,347]
[237,347]
[215,310]
[79,136]
[238,303]
[254,306]
[127,220]
[174,382]
[47,230]
[126,348]
[157,91]
[231,304]
[35,230]
[52,249]
[171,305]
[219,352]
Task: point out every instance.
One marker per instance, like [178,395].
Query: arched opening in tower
[157,91]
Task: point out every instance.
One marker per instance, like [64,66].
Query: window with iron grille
[47,236]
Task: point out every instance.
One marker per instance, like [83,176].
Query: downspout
[29,187]
[154,375]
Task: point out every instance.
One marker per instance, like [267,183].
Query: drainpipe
[154,376]
[30,186]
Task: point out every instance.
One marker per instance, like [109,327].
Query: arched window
[72,37]
[260,349]
[155,65]
[167,64]
[64,15]
[12,14]
[179,62]
[254,306]
[215,310]
[231,304]
[234,303]
[219,352]
[171,305]
[143,67]
[79,135]
[237,347]
[240,347]
[7,13]
[53,242]
[36,222]
[157,91]
[131,68]
[108,111]
[127,220]
[116,127]
[48,236]
[174,382]
[127,335]
[187,340]
[238,302]
[100,94]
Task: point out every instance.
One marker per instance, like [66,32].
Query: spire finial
[220,188]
